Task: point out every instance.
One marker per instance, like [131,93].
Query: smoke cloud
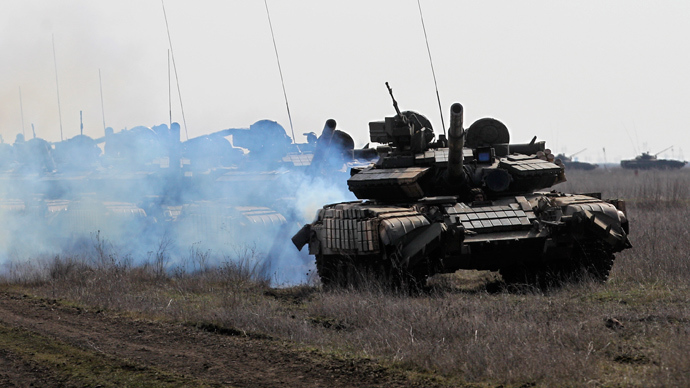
[236,194]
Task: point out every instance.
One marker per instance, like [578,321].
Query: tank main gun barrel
[456,141]
[665,149]
[577,153]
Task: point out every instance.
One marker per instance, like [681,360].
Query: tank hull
[534,237]
[657,164]
[580,166]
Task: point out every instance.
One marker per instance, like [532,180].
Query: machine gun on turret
[395,104]
[406,133]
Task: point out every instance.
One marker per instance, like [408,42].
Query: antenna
[433,73]
[21,110]
[280,71]
[100,83]
[57,86]
[81,124]
[177,80]
[631,139]
[605,163]
[169,95]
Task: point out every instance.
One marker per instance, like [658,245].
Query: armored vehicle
[468,201]
[569,163]
[215,192]
[647,161]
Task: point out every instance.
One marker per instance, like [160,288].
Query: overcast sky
[584,74]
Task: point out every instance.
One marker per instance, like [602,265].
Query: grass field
[633,330]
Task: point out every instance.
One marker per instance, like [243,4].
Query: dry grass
[632,331]
[652,188]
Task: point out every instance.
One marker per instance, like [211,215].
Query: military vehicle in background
[147,183]
[647,161]
[576,164]
[468,201]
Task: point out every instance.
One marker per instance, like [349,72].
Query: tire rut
[186,351]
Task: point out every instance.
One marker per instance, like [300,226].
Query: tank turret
[413,166]
[647,161]
[470,201]
[570,163]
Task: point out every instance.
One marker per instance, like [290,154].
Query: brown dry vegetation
[633,330]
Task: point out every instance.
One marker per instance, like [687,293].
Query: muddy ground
[48,343]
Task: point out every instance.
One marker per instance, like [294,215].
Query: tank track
[591,259]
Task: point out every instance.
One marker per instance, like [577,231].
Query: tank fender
[301,238]
[610,229]
[426,241]
[394,229]
[605,224]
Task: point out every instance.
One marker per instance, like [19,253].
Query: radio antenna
[100,83]
[57,86]
[169,95]
[433,73]
[280,71]
[21,110]
[177,80]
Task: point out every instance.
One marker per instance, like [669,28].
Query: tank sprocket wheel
[594,260]
[345,271]
[333,270]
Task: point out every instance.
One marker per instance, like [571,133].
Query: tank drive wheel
[345,271]
[590,260]
[342,272]
[594,260]
[332,270]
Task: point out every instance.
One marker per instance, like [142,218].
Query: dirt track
[45,343]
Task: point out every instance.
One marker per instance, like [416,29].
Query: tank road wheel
[594,260]
[401,278]
[362,271]
[589,260]
[527,276]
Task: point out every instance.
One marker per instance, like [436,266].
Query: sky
[598,75]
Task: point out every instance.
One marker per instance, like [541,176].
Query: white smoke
[213,209]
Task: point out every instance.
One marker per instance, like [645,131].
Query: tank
[569,163]
[647,161]
[145,182]
[472,200]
